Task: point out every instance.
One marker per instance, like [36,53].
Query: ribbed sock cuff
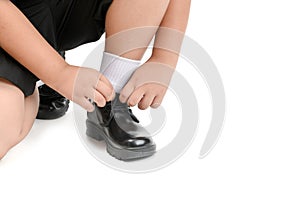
[118,70]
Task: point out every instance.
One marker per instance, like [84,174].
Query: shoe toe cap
[138,142]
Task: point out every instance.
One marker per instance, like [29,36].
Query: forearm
[169,37]
[23,42]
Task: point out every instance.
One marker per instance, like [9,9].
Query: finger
[146,101]
[105,80]
[95,96]
[136,96]
[126,91]
[99,99]
[86,104]
[156,101]
[105,90]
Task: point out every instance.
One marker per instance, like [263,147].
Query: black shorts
[65,24]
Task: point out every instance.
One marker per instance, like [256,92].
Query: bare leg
[31,109]
[17,115]
[129,21]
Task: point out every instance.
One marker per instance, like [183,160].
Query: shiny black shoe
[52,104]
[115,123]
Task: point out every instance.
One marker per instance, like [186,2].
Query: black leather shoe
[52,104]
[115,123]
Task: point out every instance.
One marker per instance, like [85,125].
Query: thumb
[126,91]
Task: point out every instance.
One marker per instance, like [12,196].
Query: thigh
[17,114]
[12,113]
[31,106]
[83,22]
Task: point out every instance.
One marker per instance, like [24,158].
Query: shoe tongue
[116,103]
[117,106]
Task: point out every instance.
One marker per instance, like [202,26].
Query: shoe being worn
[52,104]
[115,123]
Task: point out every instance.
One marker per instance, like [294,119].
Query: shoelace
[120,107]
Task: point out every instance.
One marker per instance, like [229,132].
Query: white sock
[118,70]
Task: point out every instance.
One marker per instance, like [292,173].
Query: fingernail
[122,99]
[155,105]
[113,96]
[102,104]
[91,109]
[131,104]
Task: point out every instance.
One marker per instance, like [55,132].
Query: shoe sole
[96,132]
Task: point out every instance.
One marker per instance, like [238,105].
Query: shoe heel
[93,131]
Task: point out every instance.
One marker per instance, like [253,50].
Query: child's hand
[80,84]
[147,86]
[146,95]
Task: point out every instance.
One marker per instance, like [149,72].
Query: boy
[32,32]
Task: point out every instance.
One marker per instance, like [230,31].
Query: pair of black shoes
[114,123]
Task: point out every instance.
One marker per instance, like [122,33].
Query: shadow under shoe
[116,124]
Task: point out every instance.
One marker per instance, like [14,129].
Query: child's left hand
[147,86]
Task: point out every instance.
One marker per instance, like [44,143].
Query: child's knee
[8,140]
[3,150]
[2,153]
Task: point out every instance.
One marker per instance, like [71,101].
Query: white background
[255,45]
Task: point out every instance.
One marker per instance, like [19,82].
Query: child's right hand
[80,84]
